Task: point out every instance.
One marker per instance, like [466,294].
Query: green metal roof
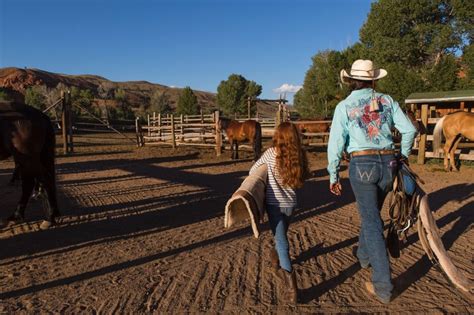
[442,96]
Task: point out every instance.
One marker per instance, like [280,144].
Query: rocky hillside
[137,93]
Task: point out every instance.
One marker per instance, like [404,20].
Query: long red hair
[292,163]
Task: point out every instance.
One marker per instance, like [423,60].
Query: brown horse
[312,126]
[454,126]
[28,135]
[249,130]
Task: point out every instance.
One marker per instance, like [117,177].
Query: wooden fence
[182,130]
[422,144]
[202,130]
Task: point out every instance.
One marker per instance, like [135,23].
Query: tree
[4,95]
[321,88]
[400,82]
[420,38]
[467,64]
[417,41]
[34,97]
[233,94]
[123,111]
[187,102]
[160,102]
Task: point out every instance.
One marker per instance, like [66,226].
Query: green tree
[233,93]
[4,95]
[418,38]
[160,102]
[123,110]
[187,102]
[467,63]
[321,88]
[34,97]
[400,82]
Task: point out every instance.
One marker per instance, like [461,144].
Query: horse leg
[236,150]
[27,184]
[255,151]
[232,155]
[446,151]
[453,150]
[15,175]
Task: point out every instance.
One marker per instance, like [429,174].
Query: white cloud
[287,88]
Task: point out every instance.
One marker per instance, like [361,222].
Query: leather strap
[372,152]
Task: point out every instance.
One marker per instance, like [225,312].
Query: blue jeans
[279,219]
[371,178]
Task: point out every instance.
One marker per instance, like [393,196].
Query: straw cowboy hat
[363,70]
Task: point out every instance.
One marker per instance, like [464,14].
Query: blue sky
[178,43]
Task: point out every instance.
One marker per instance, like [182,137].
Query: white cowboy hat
[363,70]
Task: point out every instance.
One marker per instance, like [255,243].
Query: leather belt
[372,152]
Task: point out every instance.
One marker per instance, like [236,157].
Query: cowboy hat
[363,70]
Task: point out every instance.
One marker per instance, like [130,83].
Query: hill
[137,93]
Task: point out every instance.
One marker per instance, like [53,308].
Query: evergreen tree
[233,94]
[187,102]
[160,103]
[4,95]
[123,111]
[321,88]
[34,97]
[419,41]
[467,63]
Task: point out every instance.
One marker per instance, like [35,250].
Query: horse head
[222,124]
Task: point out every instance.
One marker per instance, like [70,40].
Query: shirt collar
[361,92]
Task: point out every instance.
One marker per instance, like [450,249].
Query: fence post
[137,131]
[64,122]
[203,129]
[422,145]
[173,139]
[148,122]
[248,107]
[159,125]
[218,134]
[69,122]
[181,129]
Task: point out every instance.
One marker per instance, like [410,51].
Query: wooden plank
[422,143]
[466,157]
[173,140]
[218,134]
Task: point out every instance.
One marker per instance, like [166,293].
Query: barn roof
[442,96]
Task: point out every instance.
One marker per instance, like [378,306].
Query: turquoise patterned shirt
[355,128]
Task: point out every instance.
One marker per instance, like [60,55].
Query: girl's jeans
[279,219]
[371,178]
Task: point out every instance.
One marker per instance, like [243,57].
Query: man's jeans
[279,219]
[371,178]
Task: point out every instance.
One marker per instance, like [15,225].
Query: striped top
[276,194]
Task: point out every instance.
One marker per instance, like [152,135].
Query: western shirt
[355,128]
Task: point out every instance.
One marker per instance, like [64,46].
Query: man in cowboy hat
[362,125]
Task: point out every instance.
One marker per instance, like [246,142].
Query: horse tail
[437,135]
[48,161]
[258,140]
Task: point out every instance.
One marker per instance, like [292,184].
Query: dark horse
[28,135]
[249,130]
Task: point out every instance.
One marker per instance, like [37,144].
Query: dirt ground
[143,231]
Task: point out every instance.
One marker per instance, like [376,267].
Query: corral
[143,232]
[429,107]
